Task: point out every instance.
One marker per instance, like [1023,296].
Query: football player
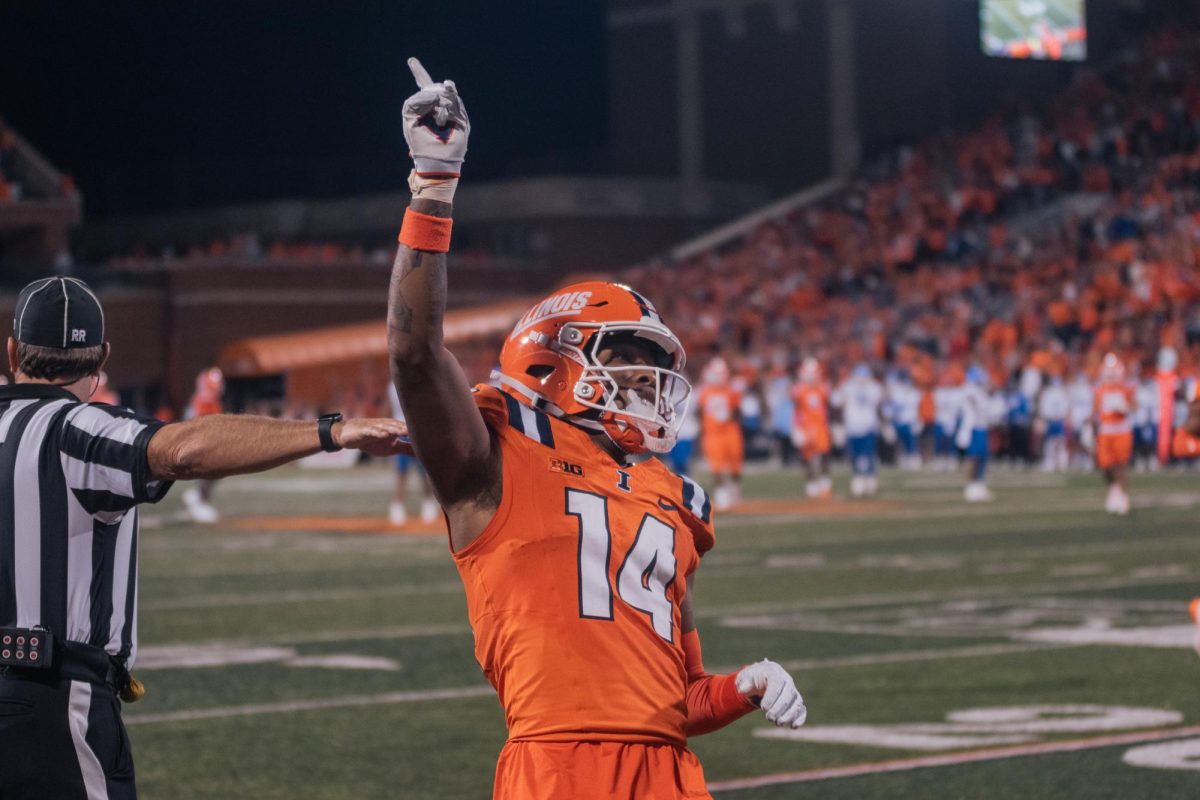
[947,404]
[860,397]
[1145,421]
[577,550]
[1053,407]
[405,465]
[904,409]
[721,437]
[208,399]
[1113,411]
[973,434]
[810,429]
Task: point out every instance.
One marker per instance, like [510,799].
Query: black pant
[62,739]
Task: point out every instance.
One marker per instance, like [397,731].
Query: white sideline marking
[368,483]
[1163,636]
[1005,568]
[1078,570]
[185,656]
[344,662]
[853,601]
[202,656]
[899,737]
[777,623]
[298,596]
[795,561]
[903,656]
[955,759]
[347,701]
[909,563]
[1172,755]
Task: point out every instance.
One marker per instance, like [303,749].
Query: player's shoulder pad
[501,411]
[696,510]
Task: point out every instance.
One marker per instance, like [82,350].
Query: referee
[72,474]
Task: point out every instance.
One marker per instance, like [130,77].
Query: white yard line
[871,659]
[1021,593]
[952,760]
[903,656]
[324,704]
[466,692]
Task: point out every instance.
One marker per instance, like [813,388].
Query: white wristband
[440,189]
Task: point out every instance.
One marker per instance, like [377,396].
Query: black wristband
[325,431]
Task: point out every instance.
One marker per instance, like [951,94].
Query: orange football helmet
[550,361]
[810,371]
[1112,369]
[210,384]
[716,372]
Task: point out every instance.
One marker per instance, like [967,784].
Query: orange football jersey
[1114,403]
[718,409]
[812,407]
[574,588]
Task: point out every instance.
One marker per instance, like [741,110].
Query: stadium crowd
[997,266]
[1026,249]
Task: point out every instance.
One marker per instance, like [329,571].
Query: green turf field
[340,665]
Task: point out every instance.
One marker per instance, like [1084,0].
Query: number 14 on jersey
[645,575]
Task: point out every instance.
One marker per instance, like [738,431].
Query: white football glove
[776,693]
[435,126]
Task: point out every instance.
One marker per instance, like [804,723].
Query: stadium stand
[38,207]
[1044,238]
[1071,232]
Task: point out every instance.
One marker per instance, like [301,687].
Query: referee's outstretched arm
[228,444]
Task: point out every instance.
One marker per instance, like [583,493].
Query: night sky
[164,105]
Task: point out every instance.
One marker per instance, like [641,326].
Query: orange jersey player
[1112,409]
[721,432]
[209,394]
[810,429]
[206,401]
[576,550]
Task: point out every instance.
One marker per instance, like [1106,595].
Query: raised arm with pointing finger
[447,429]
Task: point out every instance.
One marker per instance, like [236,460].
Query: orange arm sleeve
[713,701]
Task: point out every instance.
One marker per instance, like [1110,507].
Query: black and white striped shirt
[71,476]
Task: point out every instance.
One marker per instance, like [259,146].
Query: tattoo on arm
[418,294]
[401,315]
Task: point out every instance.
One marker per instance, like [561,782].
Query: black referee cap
[58,312]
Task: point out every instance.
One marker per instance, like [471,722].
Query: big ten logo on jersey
[565,467]
[559,305]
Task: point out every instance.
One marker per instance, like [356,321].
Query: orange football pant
[1113,449]
[723,452]
[598,771]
